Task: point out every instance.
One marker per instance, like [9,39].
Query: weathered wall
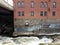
[22,22]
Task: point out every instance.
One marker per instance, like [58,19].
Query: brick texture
[36,19]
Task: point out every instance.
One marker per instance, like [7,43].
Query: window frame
[22,13]
[18,4]
[41,4]
[54,4]
[22,4]
[54,13]
[32,13]
[32,4]
[45,13]
[19,13]
[45,4]
[41,13]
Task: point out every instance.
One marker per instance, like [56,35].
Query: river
[24,40]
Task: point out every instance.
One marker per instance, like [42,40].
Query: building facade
[34,12]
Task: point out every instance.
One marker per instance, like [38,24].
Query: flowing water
[24,40]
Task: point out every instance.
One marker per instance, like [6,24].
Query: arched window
[41,4]
[32,4]
[19,4]
[45,4]
[22,4]
[54,4]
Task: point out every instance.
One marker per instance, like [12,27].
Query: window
[41,13]
[53,13]
[41,4]
[45,4]
[22,4]
[45,13]
[54,4]
[32,13]
[19,14]
[32,4]
[22,13]
[19,4]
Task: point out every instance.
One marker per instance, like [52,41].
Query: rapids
[24,40]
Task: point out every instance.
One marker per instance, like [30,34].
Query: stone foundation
[31,22]
[36,26]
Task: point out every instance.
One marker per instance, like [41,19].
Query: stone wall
[32,22]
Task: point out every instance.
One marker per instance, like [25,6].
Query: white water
[23,40]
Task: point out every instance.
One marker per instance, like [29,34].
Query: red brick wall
[27,10]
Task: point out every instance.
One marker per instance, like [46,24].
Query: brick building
[35,12]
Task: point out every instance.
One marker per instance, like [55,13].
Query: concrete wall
[5,5]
